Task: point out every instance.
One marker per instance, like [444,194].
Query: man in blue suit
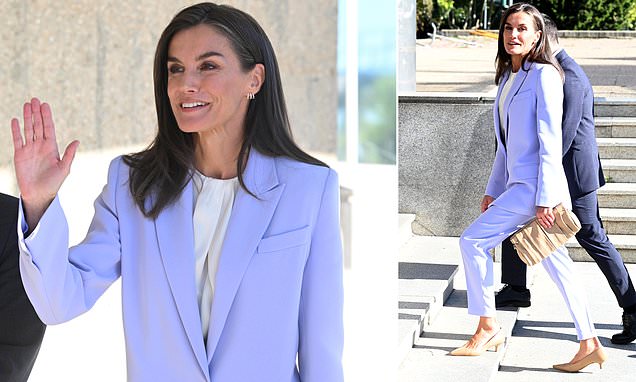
[584,174]
[21,330]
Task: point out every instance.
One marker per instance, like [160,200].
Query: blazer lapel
[496,107]
[175,236]
[249,219]
[514,89]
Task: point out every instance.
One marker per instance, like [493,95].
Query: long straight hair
[540,52]
[165,167]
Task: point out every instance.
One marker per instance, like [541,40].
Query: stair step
[426,273]
[615,127]
[625,244]
[428,360]
[619,170]
[619,221]
[617,195]
[423,288]
[617,148]
[611,107]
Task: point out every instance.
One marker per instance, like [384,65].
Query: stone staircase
[433,320]
[616,136]
[432,312]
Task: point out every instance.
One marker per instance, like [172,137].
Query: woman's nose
[190,82]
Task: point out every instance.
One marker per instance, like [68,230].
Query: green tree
[606,14]
[423,16]
[590,14]
[568,14]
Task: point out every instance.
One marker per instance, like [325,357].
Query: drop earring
[250,95]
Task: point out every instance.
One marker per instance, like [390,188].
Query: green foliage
[423,16]
[568,14]
[590,14]
[450,14]
[607,14]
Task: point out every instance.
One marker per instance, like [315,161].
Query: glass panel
[376,81]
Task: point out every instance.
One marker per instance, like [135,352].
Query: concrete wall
[446,150]
[93,62]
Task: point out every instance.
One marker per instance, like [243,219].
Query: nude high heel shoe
[494,342]
[597,356]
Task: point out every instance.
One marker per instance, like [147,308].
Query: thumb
[69,154]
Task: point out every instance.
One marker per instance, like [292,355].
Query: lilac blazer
[277,309]
[527,171]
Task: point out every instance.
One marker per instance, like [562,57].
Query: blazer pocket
[285,240]
[522,96]
[526,171]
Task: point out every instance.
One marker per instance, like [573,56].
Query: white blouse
[502,99]
[213,200]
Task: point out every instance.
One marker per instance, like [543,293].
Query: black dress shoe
[508,296]
[629,330]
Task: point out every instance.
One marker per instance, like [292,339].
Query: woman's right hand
[485,202]
[39,170]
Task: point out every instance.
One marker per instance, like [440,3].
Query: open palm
[39,169]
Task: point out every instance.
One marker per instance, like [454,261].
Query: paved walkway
[450,66]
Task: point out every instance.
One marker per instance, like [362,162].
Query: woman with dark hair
[527,180]
[224,232]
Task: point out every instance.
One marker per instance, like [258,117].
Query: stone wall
[93,62]
[446,150]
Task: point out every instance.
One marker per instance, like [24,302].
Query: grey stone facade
[93,62]
[446,150]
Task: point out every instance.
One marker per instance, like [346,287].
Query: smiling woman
[222,217]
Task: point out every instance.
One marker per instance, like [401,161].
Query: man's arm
[21,330]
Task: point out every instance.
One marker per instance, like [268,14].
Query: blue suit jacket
[580,152]
[278,291]
[527,171]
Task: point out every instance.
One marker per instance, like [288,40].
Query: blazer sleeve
[321,329]
[497,180]
[574,100]
[63,283]
[549,90]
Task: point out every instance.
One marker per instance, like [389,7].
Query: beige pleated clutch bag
[534,243]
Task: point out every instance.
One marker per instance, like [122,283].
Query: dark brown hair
[540,52]
[165,167]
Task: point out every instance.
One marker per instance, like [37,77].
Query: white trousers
[485,233]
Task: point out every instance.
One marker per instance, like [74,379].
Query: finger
[15,133]
[28,123]
[47,121]
[69,155]
[37,119]
[551,215]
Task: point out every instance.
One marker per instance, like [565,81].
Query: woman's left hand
[545,216]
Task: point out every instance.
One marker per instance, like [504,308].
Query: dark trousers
[594,240]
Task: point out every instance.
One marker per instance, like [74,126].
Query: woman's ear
[257,78]
[537,37]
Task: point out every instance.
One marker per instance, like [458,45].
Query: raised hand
[39,170]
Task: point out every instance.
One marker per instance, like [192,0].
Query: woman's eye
[175,69]
[207,66]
